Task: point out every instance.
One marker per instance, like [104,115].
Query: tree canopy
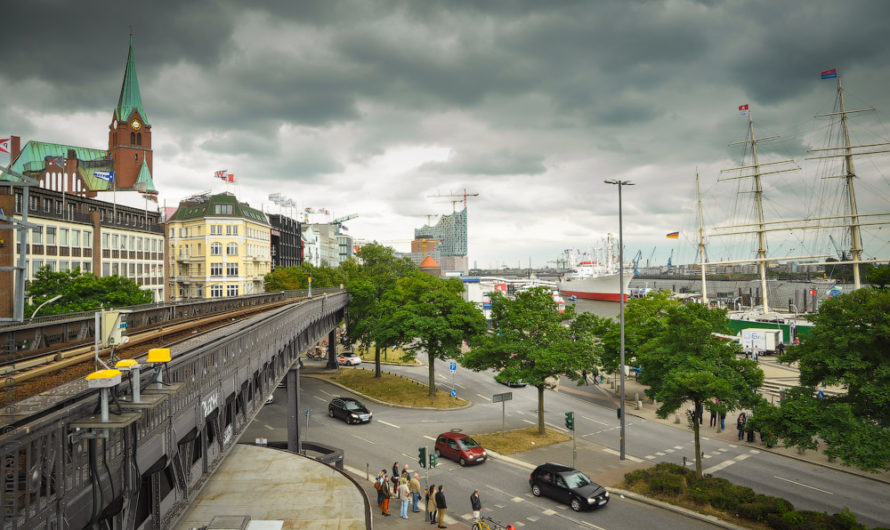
[530,343]
[297,277]
[685,362]
[644,319]
[428,314]
[377,274]
[847,350]
[81,292]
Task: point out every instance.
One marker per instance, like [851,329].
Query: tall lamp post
[621,183]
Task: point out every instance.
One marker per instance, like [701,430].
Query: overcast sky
[372,106]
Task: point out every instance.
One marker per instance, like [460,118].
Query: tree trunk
[696,422]
[540,409]
[432,361]
[376,360]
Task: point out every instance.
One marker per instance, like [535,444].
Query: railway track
[22,379]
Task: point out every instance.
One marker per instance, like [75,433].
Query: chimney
[16,148]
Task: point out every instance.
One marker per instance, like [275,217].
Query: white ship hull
[598,287]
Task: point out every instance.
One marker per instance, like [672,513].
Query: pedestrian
[406,473]
[441,506]
[405,497]
[712,408]
[740,425]
[378,485]
[395,475]
[722,420]
[431,503]
[602,378]
[584,375]
[414,488]
[749,426]
[476,503]
[387,495]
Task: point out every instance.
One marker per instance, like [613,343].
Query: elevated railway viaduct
[62,467]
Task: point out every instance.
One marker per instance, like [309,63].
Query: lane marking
[799,484]
[458,385]
[678,447]
[429,437]
[325,393]
[726,463]
[529,421]
[617,453]
[595,421]
[487,398]
[387,423]
[320,398]
[649,457]
[668,450]
[363,439]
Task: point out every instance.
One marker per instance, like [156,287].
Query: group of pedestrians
[405,487]
[744,424]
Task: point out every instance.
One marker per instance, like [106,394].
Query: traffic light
[570,421]
[618,411]
[421,456]
[434,460]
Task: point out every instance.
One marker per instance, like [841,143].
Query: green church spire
[130,99]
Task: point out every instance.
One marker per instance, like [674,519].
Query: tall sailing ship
[850,220]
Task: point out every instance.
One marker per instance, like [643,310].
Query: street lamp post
[51,300]
[621,183]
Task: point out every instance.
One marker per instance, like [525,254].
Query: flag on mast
[674,235]
[829,74]
[743,109]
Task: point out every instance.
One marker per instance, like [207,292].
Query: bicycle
[487,523]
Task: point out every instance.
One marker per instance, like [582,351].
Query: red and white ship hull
[599,287]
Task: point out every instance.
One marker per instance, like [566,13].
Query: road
[396,433]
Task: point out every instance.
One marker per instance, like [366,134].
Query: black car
[349,410]
[567,485]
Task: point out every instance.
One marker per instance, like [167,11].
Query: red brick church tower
[129,135]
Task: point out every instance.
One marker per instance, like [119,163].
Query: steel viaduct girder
[60,471]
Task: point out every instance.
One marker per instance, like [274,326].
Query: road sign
[452,366]
[498,398]
[453,392]
[107,176]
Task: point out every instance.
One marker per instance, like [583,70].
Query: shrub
[761,506]
[666,483]
[636,476]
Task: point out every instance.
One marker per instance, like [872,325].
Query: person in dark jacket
[395,475]
[476,503]
[740,425]
[441,506]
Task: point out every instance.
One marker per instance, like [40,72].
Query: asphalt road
[396,433]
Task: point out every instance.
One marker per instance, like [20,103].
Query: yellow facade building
[217,247]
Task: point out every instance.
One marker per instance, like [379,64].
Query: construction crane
[429,217]
[343,219]
[463,195]
[651,255]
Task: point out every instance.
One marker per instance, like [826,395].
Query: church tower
[129,135]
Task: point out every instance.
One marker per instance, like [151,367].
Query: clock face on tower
[136,125]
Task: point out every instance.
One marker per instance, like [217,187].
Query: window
[132,269]
[232,290]
[47,205]
[132,242]
[63,266]
[216,291]
[51,266]
[231,269]
[50,235]
[115,269]
[232,249]
[222,209]
[37,235]
[138,138]
[87,238]
[228,230]
[106,269]
[35,203]
[139,244]
[105,241]
[235,230]
[18,202]
[172,232]
[37,264]
[132,138]
[75,238]
[216,269]
[216,249]
[86,267]
[59,207]
[63,238]
[115,241]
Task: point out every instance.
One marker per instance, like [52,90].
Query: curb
[676,509]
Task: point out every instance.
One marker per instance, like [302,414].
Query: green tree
[879,276]
[530,343]
[297,277]
[81,292]
[685,362]
[847,349]
[427,314]
[644,319]
[377,274]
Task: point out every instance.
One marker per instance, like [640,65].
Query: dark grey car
[349,410]
[567,485]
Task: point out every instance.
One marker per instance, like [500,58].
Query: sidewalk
[606,395]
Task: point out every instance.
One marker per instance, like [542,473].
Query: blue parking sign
[452,366]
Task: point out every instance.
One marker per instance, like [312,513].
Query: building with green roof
[217,247]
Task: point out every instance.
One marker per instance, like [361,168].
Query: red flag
[230,177]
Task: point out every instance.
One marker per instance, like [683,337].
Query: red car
[460,448]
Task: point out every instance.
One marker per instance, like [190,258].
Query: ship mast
[701,242]
[756,173]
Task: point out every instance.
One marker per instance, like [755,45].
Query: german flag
[674,235]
